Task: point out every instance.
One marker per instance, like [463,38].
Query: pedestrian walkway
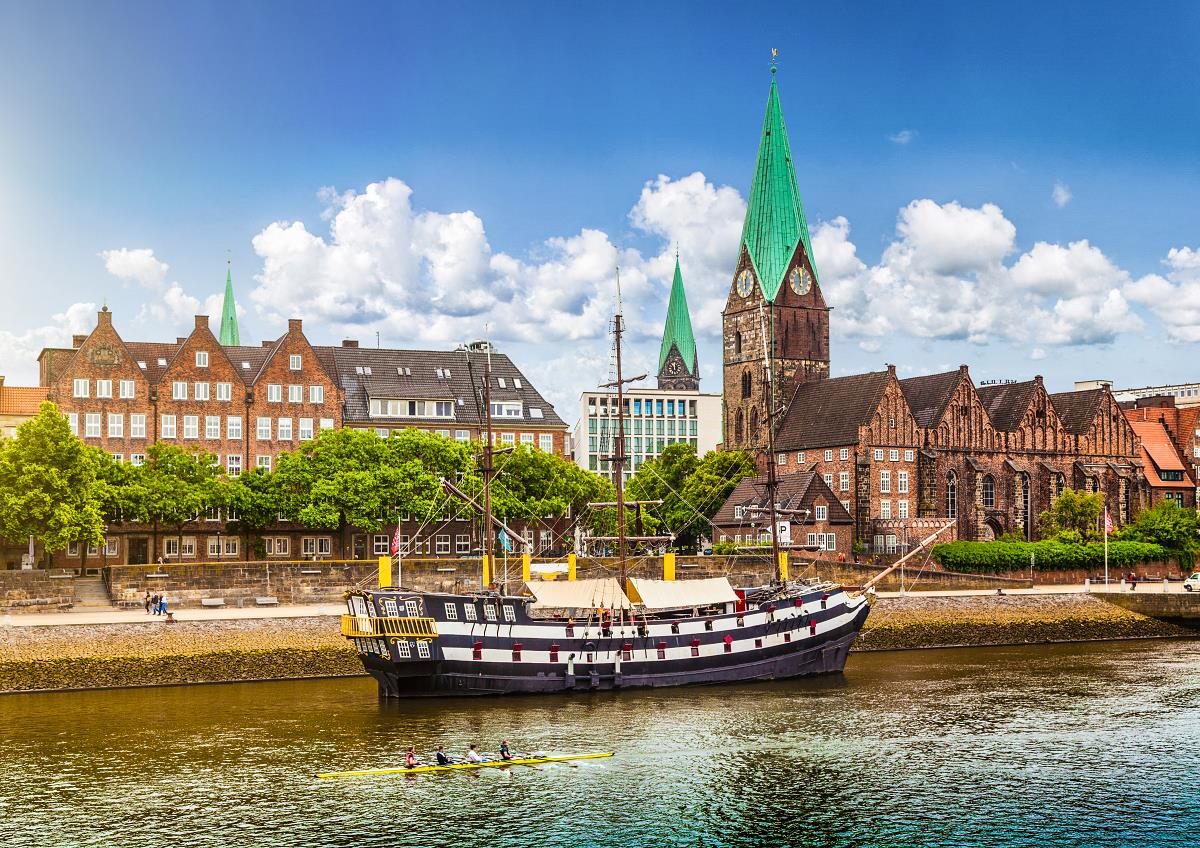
[119,616]
[1147,586]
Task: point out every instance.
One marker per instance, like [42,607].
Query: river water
[1088,745]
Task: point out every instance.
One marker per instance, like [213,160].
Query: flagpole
[1106,524]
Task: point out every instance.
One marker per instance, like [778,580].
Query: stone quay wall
[35,590]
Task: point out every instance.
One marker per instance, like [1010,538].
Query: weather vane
[774,59]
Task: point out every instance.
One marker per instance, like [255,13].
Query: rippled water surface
[1093,745]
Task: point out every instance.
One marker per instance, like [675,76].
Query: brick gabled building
[816,517]
[1170,437]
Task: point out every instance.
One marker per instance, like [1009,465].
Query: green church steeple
[774,214]
[678,367]
[229,325]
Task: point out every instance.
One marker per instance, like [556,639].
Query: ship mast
[769,395]
[487,466]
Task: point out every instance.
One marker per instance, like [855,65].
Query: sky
[1012,186]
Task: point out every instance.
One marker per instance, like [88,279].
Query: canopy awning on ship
[674,594]
[579,594]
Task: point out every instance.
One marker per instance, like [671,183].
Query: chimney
[349,342]
[891,369]
[180,340]
[201,322]
[268,342]
[104,317]
[78,339]
[294,325]
[1,381]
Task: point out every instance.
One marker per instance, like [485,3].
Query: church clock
[745,282]
[800,279]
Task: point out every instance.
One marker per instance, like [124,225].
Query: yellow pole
[487,572]
[570,566]
[668,566]
[783,570]
[525,571]
[385,572]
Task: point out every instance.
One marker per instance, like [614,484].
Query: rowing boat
[528,761]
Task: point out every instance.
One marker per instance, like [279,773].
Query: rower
[473,755]
[443,759]
[410,758]
[505,753]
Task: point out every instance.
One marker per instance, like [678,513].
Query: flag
[396,541]
[505,542]
[1107,522]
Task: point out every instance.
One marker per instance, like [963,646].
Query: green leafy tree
[47,485]
[533,485]
[256,497]
[706,490]
[1170,526]
[664,479]
[172,488]
[1073,515]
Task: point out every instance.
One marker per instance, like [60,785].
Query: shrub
[1002,557]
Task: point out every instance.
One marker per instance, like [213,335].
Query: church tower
[229,324]
[678,366]
[775,310]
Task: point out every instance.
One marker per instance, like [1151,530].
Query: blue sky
[515,153]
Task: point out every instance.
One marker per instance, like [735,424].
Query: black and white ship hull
[430,644]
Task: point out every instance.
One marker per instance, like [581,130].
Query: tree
[1075,514]
[1170,526]
[532,485]
[47,484]
[256,498]
[708,487]
[172,488]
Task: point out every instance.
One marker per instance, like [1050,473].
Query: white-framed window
[831,541]
[73,423]
[231,546]
[782,460]
[112,547]
[828,478]
[822,512]
[469,612]
[527,439]
[316,394]
[200,391]
[126,389]
[233,464]
[546,442]
[412,608]
[116,425]
[104,388]
[170,547]
[902,509]
[844,454]
[79,388]
[119,457]
[137,425]
[800,458]
[225,391]
[136,459]
[284,429]
[423,649]
[282,546]
[308,546]
[167,430]
[381,544]
[326,423]
[846,505]
[908,456]
[885,509]
[489,611]
[893,455]
[189,546]
[890,544]
[443,544]
[324,545]
[202,359]
[404,546]
[462,544]
[885,481]
[295,394]
[263,431]
[214,546]
[545,540]
[510,614]
[451,612]
[829,456]
[262,461]
[274,393]
[91,424]
[878,454]
[212,513]
[843,481]
[306,429]
[812,540]
[212,426]
[232,514]
[508,438]
[902,482]
[191,426]
[178,390]
[462,436]
[295,363]
[233,426]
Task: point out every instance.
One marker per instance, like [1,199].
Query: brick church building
[903,456]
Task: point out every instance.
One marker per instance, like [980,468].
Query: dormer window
[400,372]
[517,382]
[294,362]
[162,362]
[500,382]
[535,412]
[245,365]
[142,364]
[202,359]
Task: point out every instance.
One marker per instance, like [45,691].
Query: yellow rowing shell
[532,761]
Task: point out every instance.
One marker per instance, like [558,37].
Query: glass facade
[651,424]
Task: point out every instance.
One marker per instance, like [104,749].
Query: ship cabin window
[477,651]
[423,650]
[516,649]
[708,625]
[758,643]
[674,626]
[729,644]
[509,613]
[662,650]
[695,647]
[570,628]
[451,612]
[403,649]
[741,622]
[469,612]
[412,608]
[787,637]
[389,608]
[554,652]
[627,651]
[489,612]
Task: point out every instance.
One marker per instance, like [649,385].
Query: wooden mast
[487,466]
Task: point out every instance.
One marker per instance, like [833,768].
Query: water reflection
[1091,745]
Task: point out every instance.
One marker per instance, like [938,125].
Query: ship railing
[362,625]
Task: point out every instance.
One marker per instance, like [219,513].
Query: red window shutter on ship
[662,650]
[554,652]
[477,651]
[695,647]
[729,644]
[627,651]
[800,602]
[516,652]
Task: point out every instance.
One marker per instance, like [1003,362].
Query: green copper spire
[678,329]
[229,327]
[774,214]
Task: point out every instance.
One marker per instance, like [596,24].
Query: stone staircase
[91,592]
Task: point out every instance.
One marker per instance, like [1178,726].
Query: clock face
[745,282]
[800,280]
[673,368]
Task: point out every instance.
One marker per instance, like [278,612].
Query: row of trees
[61,491]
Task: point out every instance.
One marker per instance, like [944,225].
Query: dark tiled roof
[929,395]
[413,374]
[1077,409]
[151,353]
[1006,403]
[792,490]
[829,412]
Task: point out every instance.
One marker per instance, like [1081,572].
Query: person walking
[162,604]
[154,604]
[146,603]
[1132,581]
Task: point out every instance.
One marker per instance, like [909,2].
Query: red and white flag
[1107,522]
[396,541]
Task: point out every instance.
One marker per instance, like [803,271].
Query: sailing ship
[601,634]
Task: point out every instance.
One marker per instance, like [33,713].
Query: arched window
[1060,483]
[1093,484]
[754,423]
[737,428]
[951,495]
[1023,502]
[988,495]
[747,383]
[737,342]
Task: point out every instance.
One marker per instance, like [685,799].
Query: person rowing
[505,753]
[443,759]
[473,755]
[410,758]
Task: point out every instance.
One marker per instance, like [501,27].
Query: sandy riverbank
[153,653]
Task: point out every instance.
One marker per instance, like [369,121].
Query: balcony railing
[360,625]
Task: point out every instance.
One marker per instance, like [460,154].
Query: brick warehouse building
[902,456]
[246,405]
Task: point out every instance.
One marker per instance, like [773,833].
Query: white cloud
[903,137]
[1174,299]
[1061,195]
[137,265]
[20,350]
[170,306]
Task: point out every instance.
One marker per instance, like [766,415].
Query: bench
[66,605]
[128,603]
[266,602]
[212,602]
